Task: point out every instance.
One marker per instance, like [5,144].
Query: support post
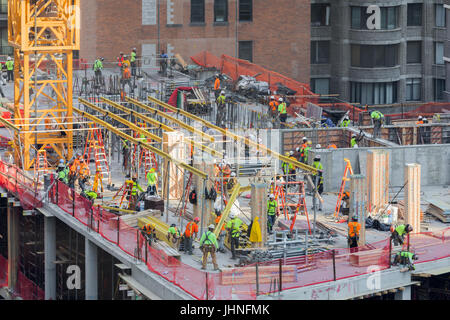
[412,196]
[257,279]
[259,209]
[390,252]
[50,257]
[206,285]
[91,270]
[358,204]
[13,244]
[280,287]
[334,264]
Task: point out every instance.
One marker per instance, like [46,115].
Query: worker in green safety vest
[208,244]
[98,67]
[318,180]
[346,122]
[134,194]
[220,102]
[377,118]
[173,234]
[233,226]
[306,152]
[398,234]
[10,69]
[405,258]
[271,212]
[151,181]
[63,172]
[133,62]
[353,142]
[282,110]
[91,195]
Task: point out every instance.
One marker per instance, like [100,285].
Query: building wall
[447,53]
[341,36]
[280,31]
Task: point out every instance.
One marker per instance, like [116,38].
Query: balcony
[382,74]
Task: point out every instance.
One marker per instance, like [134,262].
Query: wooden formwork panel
[436,135]
[174,146]
[377,173]
[412,195]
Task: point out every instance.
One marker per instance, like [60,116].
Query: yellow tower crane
[44,34]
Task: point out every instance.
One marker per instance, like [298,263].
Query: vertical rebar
[257,279]
[281,276]
[334,264]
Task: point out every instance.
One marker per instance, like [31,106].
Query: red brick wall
[280,32]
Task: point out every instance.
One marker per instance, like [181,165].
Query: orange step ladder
[95,145]
[348,170]
[123,192]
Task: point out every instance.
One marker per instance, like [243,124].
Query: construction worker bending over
[90,195]
[149,232]
[208,244]
[398,234]
[282,109]
[345,123]
[83,174]
[63,172]
[233,226]
[134,194]
[173,234]
[189,234]
[405,258]
[353,234]
[318,180]
[377,118]
[151,181]
[271,212]
[222,233]
[220,101]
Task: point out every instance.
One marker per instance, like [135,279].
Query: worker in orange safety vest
[353,234]
[190,233]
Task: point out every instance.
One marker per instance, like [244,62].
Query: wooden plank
[412,196]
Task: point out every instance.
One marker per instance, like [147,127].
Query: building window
[320,52]
[413,89]
[439,53]
[367,56]
[220,10]
[246,50]
[320,85]
[414,14]
[439,88]
[440,15]
[320,15]
[389,18]
[373,93]
[245,10]
[198,11]
[414,52]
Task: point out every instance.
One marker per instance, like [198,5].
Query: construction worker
[353,234]
[285,166]
[346,122]
[189,234]
[318,180]
[126,75]
[273,107]
[91,195]
[208,244]
[302,149]
[120,60]
[346,199]
[306,152]
[419,120]
[353,142]
[233,226]
[63,172]
[292,168]
[173,234]
[377,118]
[405,258]
[83,174]
[151,181]
[220,102]
[232,181]
[163,63]
[126,154]
[133,62]
[216,86]
[149,232]
[271,212]
[10,69]
[282,110]
[222,233]
[398,234]
[74,164]
[134,193]
[98,67]
[98,181]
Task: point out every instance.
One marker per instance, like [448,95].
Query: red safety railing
[236,283]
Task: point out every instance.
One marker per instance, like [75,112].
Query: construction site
[117,180]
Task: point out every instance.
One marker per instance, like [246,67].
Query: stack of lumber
[439,208]
[166,254]
[412,196]
[377,179]
[247,275]
[132,219]
[161,229]
[369,257]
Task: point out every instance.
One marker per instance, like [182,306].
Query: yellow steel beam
[195,171]
[161,229]
[235,136]
[9,124]
[234,194]
[121,120]
[162,126]
[172,119]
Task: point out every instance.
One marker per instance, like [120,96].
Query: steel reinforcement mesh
[231,283]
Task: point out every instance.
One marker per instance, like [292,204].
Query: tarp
[174,97]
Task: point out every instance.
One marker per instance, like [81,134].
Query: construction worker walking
[189,234]
[221,108]
[353,234]
[151,181]
[398,234]
[222,232]
[271,212]
[98,67]
[208,244]
[282,109]
[233,226]
[318,180]
[377,118]
[10,69]
[302,149]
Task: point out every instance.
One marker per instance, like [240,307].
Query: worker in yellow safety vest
[282,110]
[151,181]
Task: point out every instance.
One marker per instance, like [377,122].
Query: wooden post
[358,204]
[258,206]
[173,145]
[412,195]
[377,179]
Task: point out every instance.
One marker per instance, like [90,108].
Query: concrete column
[403,294]
[91,270]
[259,208]
[13,244]
[50,257]
[358,204]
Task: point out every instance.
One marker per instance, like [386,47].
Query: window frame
[249,4]
[408,56]
[411,84]
[409,19]
[198,3]
[240,56]
[324,17]
[216,4]
[444,10]
[374,56]
[315,51]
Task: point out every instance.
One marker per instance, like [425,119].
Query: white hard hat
[9,58]
[291,152]
[280,99]
[317,157]
[305,138]
[222,92]
[420,117]
[232,215]
[233,174]
[297,149]
[271,196]
[424,119]
[272,97]
[318,146]
[211,226]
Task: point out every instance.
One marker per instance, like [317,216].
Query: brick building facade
[274,34]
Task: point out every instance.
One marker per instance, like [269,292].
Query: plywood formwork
[358,204]
[412,195]
[174,146]
[259,209]
[377,173]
